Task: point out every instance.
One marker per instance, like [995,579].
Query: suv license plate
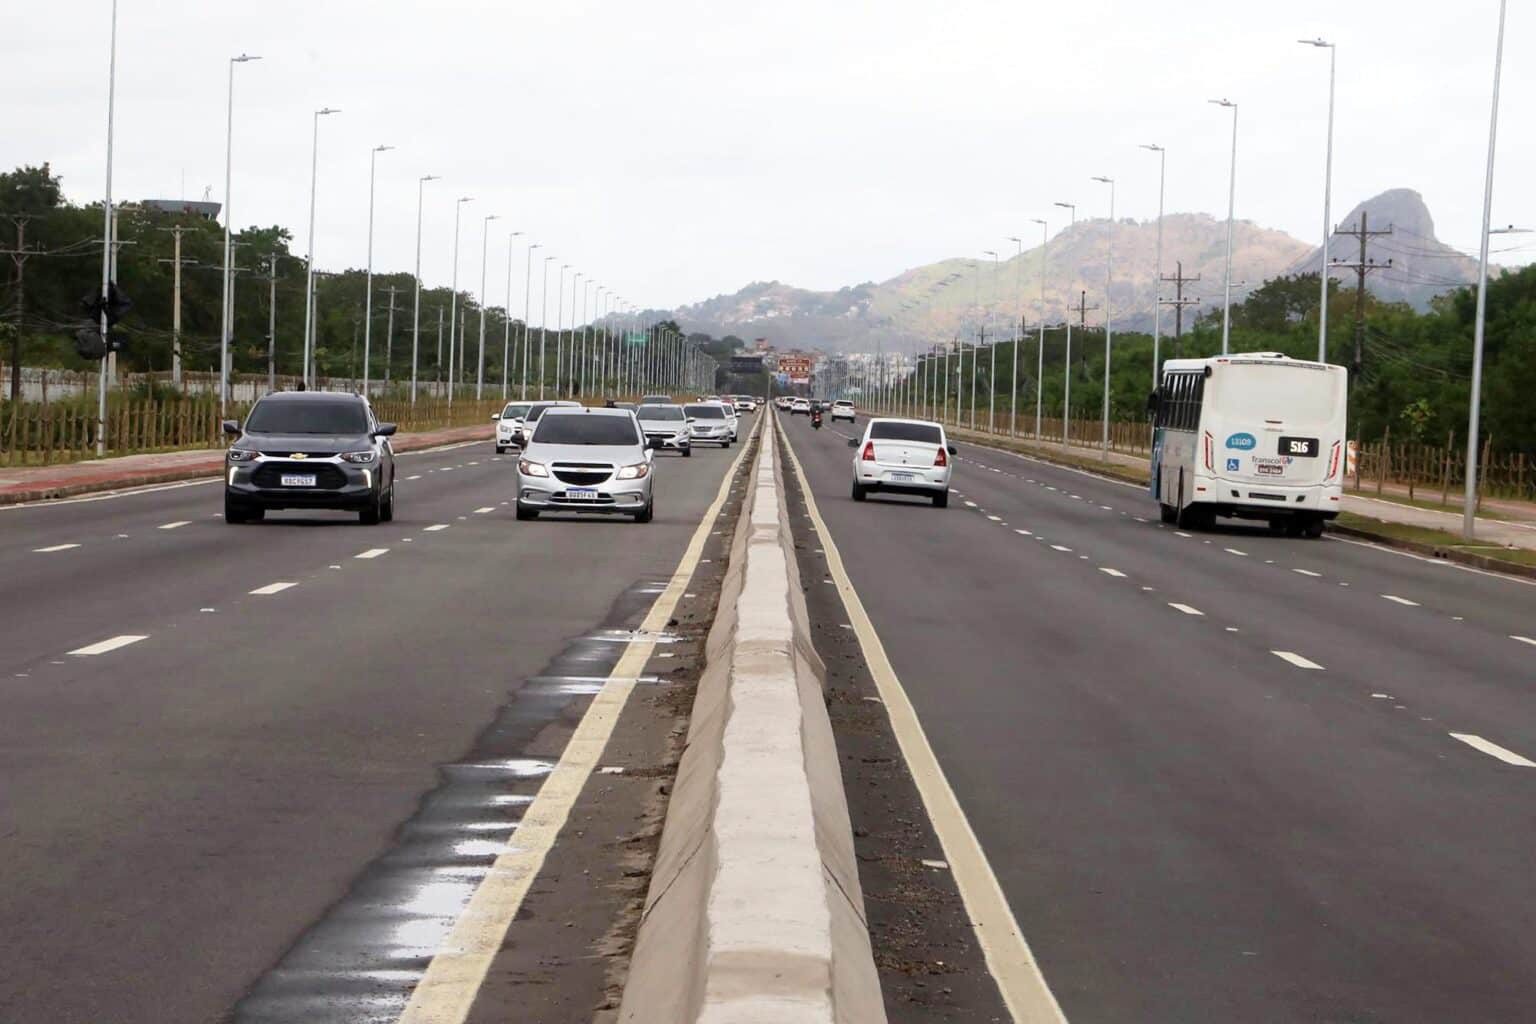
[581,492]
[298,479]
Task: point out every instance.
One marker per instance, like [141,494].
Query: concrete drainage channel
[754,912]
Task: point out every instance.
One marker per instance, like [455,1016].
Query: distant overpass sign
[747,364]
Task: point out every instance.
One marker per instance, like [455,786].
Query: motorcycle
[816,419]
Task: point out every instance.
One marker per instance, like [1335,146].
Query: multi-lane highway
[214,737]
[1219,776]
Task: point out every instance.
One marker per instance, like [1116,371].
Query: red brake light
[1333,460]
[869,452]
[1210,460]
[941,459]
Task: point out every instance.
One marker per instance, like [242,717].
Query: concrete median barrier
[754,912]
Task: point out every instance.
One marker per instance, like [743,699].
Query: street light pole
[229,150]
[373,160]
[1226,302]
[527,314]
[560,324]
[453,292]
[1109,306]
[416,316]
[485,240]
[1157,279]
[992,372]
[544,322]
[1469,502]
[1045,241]
[309,259]
[1066,394]
[106,240]
[506,337]
[1322,316]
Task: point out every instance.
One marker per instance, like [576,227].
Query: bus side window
[1181,402]
[1198,401]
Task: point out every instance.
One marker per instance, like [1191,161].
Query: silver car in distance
[586,460]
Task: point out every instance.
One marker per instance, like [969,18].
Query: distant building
[184,207]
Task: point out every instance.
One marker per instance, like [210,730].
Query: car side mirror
[951,449]
[232,428]
[495,416]
[385,430]
[853,442]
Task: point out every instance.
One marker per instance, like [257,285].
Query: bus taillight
[1333,460]
[1210,458]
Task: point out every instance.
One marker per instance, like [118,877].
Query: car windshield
[655,400]
[843,405]
[342,416]
[926,433]
[537,411]
[706,412]
[584,428]
[514,412]
[669,413]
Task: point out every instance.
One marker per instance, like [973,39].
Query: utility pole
[272,322]
[439,344]
[1361,267]
[389,334]
[19,257]
[1178,302]
[1083,309]
[176,263]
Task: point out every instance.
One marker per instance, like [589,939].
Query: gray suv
[310,449]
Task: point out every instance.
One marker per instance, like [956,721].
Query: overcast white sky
[673,150]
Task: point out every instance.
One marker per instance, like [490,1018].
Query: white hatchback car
[842,409]
[902,457]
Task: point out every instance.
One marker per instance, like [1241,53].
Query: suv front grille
[327,475]
[582,477]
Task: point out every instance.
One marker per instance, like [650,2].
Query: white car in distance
[800,407]
[709,423]
[842,409]
[508,424]
[898,456]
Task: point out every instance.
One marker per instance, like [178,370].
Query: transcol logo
[1243,442]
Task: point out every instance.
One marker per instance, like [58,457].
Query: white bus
[1252,436]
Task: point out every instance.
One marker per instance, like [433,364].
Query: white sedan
[842,409]
[903,457]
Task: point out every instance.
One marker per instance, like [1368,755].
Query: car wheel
[234,513]
[687,453]
[387,511]
[645,514]
[858,491]
[371,515]
[941,500]
[526,514]
[500,450]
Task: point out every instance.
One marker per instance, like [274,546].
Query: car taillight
[1333,460]
[940,459]
[1210,458]
[869,451]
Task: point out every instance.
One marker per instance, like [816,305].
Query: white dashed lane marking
[1523,639]
[1234,551]
[1186,609]
[111,644]
[274,588]
[998,519]
[56,547]
[372,553]
[1116,573]
[1061,547]
[435,527]
[1179,533]
[1306,572]
[1296,659]
[416,477]
[484,509]
[1400,600]
[1493,750]
[1023,533]
[176,525]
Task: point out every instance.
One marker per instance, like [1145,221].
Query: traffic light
[89,341]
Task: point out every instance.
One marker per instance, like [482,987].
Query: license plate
[902,476]
[298,479]
[581,492]
[1270,470]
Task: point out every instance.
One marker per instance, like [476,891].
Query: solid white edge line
[1493,750]
[110,644]
[1523,639]
[449,986]
[1009,959]
[273,588]
[1297,660]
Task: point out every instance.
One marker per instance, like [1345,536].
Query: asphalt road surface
[210,731]
[1217,774]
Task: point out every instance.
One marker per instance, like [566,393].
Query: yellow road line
[1009,959]
[452,980]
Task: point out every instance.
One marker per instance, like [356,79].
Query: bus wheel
[1169,513]
[1193,517]
[1314,528]
[1277,526]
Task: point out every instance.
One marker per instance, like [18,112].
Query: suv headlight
[242,455]
[634,472]
[530,468]
[359,457]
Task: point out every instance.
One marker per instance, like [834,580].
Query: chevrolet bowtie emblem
[299,455]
